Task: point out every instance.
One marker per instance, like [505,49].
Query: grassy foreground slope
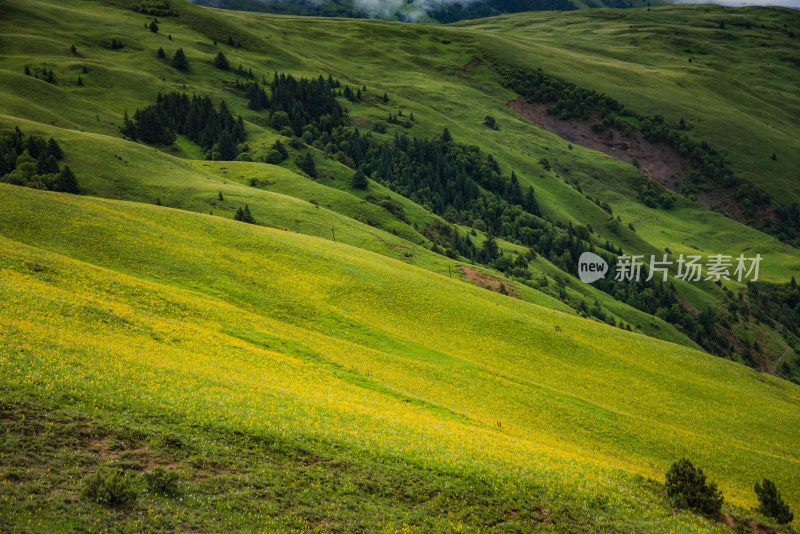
[222,326]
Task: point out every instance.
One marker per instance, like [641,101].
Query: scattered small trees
[688,488]
[771,503]
[244,215]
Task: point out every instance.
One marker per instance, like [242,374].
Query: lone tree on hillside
[687,487]
[179,60]
[153,26]
[221,62]
[306,164]
[490,122]
[161,54]
[359,180]
[771,502]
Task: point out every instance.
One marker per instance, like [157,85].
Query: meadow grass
[170,321]
[250,328]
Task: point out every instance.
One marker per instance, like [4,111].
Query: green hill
[357,360]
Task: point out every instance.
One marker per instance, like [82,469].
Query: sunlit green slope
[266,331]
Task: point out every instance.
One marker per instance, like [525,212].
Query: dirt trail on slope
[473,63]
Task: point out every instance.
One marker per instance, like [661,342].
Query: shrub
[163,482]
[113,488]
[771,503]
[274,157]
[687,487]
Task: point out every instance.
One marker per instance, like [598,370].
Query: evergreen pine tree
[66,182]
[80,81]
[179,60]
[515,191]
[359,180]
[48,164]
[306,164]
[54,149]
[490,249]
[278,146]
[771,502]
[529,203]
[161,53]
[27,70]
[247,216]
[221,62]
[446,137]
[226,149]
[73,49]
[153,26]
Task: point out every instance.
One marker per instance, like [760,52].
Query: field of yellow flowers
[222,325]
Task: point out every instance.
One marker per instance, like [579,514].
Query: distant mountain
[413,10]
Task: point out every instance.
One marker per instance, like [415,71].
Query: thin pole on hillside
[333,231]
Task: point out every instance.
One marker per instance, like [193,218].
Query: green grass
[244,327]
[363,355]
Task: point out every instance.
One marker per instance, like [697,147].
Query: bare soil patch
[486,280]
[658,161]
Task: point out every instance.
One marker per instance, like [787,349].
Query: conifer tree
[221,62]
[179,60]
[54,149]
[66,182]
[226,149]
[359,180]
[153,26]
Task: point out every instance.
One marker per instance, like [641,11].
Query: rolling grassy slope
[239,327]
[168,321]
